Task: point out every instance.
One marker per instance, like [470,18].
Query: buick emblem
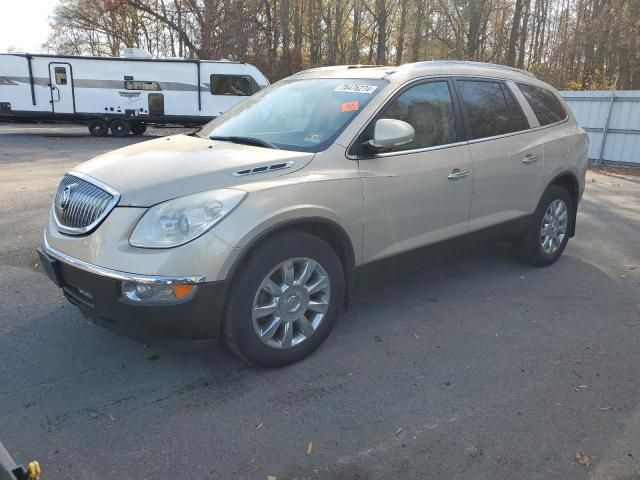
[65,198]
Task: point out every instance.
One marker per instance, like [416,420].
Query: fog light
[150,292]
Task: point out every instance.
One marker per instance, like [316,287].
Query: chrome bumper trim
[118,275]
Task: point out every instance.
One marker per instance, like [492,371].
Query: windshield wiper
[244,140]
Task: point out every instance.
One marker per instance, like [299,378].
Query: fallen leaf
[309,448]
[583,458]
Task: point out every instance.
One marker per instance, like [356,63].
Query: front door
[61,84]
[420,193]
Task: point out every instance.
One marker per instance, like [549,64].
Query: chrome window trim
[118,275]
[419,150]
[520,132]
[467,142]
[110,206]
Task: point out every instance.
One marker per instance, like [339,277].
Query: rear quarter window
[544,104]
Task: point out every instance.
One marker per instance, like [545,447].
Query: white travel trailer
[124,94]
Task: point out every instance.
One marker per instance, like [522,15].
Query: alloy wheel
[554,226]
[291,303]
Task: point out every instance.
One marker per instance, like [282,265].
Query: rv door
[61,84]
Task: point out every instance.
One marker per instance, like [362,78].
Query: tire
[138,128]
[98,127]
[536,247]
[249,337]
[119,128]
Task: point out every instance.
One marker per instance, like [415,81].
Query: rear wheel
[119,127]
[285,300]
[98,127]
[550,226]
[138,128]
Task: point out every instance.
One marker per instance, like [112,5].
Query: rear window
[238,85]
[544,104]
[491,109]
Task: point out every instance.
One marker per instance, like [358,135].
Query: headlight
[183,219]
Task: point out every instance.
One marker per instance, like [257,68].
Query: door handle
[528,158]
[53,87]
[457,174]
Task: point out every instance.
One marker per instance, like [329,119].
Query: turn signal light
[182,291]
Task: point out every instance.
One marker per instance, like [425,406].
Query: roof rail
[363,66]
[494,66]
[318,69]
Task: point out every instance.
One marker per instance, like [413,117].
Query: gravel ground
[452,363]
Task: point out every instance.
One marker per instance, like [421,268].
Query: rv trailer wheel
[98,127]
[138,128]
[119,128]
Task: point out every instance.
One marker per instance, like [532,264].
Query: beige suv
[251,229]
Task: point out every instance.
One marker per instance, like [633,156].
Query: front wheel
[548,233]
[285,300]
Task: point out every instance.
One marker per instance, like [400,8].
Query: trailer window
[140,85]
[238,85]
[61,76]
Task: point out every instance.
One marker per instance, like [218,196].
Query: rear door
[507,155]
[61,84]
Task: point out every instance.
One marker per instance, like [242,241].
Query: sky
[24,24]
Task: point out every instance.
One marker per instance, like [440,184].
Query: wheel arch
[326,229]
[569,181]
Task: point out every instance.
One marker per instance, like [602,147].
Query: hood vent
[263,169]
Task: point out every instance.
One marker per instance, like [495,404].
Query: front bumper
[97,292]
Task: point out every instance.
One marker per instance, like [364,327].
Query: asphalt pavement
[450,364]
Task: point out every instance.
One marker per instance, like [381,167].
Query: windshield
[303,114]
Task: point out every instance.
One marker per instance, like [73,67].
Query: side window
[238,85]
[544,104]
[491,109]
[61,75]
[140,85]
[428,108]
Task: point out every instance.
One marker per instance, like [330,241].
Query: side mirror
[389,133]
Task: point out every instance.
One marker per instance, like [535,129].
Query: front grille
[80,204]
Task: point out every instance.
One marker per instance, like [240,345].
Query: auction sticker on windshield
[355,88]
[349,107]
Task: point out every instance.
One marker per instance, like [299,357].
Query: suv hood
[157,170]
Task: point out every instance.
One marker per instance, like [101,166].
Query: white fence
[612,120]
